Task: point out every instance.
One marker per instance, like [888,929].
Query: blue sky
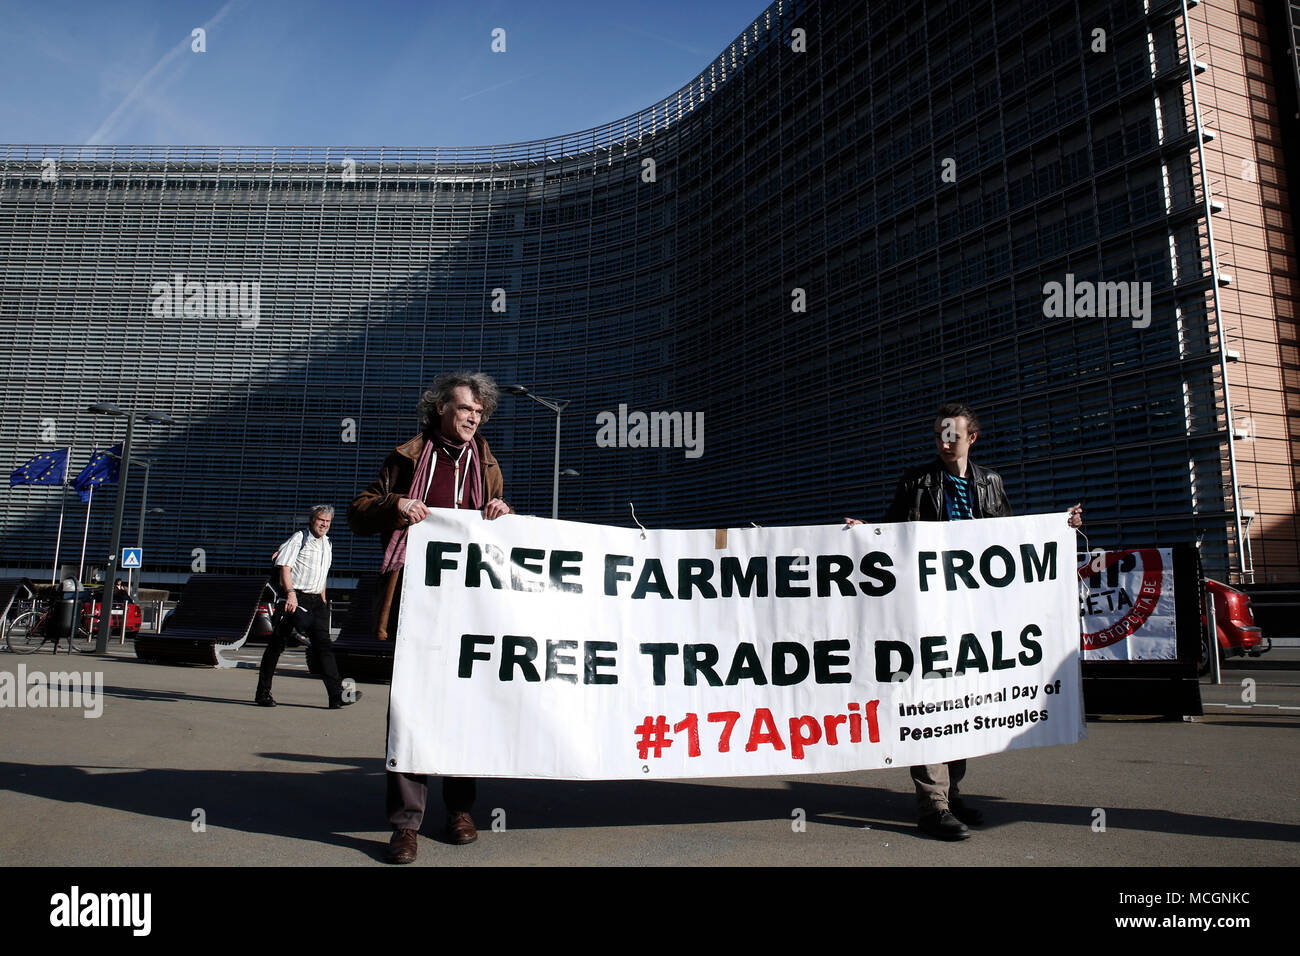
[384,72]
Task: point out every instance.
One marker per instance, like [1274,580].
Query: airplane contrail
[105,128]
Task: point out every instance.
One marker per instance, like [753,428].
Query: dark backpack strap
[273,576]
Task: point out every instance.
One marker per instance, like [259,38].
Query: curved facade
[809,248]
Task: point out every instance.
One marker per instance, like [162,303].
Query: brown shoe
[402,847]
[461,829]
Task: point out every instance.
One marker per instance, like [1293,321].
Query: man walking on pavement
[303,562]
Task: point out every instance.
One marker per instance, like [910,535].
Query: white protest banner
[537,648]
[1126,600]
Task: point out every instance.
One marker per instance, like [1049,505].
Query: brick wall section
[1256,242]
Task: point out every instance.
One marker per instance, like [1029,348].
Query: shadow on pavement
[162,696]
[346,794]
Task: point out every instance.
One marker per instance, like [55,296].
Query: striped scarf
[395,550]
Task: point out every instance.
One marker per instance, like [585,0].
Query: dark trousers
[318,632]
[409,792]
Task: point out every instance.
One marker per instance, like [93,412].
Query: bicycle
[30,630]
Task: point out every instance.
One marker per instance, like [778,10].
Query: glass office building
[856,211]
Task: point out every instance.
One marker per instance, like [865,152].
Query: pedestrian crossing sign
[132,557]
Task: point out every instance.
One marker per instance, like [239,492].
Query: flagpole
[81,565]
[63,498]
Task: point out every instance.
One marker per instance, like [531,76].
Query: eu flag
[101,469]
[47,468]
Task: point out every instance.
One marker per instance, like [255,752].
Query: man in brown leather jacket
[448,465]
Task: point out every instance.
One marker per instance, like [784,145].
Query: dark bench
[360,655]
[211,621]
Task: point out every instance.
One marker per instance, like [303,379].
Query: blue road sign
[132,557]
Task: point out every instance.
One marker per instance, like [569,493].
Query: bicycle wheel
[83,642]
[25,633]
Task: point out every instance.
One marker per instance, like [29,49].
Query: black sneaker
[264,700]
[943,826]
[345,701]
[966,813]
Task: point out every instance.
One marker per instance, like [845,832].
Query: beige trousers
[936,784]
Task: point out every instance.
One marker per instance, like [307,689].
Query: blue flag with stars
[47,468]
[101,469]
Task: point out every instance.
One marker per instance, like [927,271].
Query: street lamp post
[114,556]
[144,509]
[139,544]
[558,407]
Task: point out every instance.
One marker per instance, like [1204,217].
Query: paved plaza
[182,769]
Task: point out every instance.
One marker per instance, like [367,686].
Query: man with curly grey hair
[448,465]
[483,389]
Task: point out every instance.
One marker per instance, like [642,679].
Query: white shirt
[309,559]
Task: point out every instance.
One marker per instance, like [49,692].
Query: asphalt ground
[182,769]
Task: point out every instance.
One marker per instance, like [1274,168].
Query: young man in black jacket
[950,488]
